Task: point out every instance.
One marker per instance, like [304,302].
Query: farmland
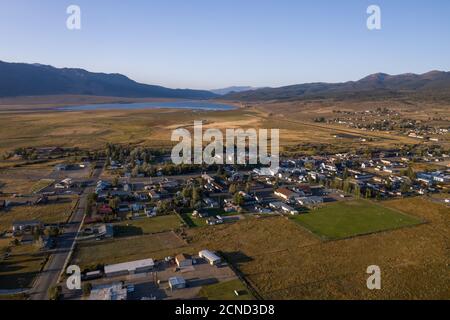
[50,213]
[284,261]
[347,219]
[156,246]
[19,269]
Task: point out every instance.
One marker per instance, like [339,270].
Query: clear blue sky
[218,43]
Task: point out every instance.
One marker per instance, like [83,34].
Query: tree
[357,191]
[54,293]
[239,199]
[115,182]
[232,189]
[114,203]
[87,288]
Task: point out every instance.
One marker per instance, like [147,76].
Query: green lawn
[347,219]
[225,291]
[146,226]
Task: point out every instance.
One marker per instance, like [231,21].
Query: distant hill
[20,79]
[232,90]
[433,84]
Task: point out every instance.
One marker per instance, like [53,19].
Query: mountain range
[20,79]
[434,84]
[234,89]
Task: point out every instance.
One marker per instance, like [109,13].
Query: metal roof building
[211,257]
[126,268]
[177,283]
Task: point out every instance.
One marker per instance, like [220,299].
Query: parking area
[155,285]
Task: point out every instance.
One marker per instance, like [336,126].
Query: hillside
[20,79]
[432,84]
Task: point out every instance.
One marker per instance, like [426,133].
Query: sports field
[352,218]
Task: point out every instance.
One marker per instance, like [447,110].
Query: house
[286,194]
[126,268]
[26,226]
[150,211]
[214,221]
[210,203]
[177,283]
[136,207]
[210,257]
[183,260]
[123,207]
[105,210]
[280,206]
[154,195]
[310,201]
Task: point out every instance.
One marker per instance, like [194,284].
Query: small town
[133,193]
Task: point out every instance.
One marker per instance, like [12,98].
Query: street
[56,263]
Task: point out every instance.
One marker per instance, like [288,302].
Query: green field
[348,219]
[146,226]
[225,291]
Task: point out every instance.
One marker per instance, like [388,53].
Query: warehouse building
[133,267]
[209,256]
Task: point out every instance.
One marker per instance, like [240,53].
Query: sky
[209,44]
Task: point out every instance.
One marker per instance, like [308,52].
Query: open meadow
[51,213]
[21,126]
[284,261]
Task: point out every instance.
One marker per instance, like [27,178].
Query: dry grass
[155,246]
[50,213]
[284,261]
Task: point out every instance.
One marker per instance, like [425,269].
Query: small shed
[183,260]
[177,283]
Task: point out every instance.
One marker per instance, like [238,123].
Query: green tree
[54,293]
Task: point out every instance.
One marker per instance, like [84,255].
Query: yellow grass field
[50,213]
[284,261]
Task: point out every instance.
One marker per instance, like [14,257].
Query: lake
[191,105]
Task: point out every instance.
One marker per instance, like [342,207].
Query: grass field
[19,270]
[155,246]
[50,213]
[283,261]
[348,219]
[225,291]
[147,226]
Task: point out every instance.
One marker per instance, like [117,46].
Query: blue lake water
[191,105]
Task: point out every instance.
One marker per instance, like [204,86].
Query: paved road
[49,276]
